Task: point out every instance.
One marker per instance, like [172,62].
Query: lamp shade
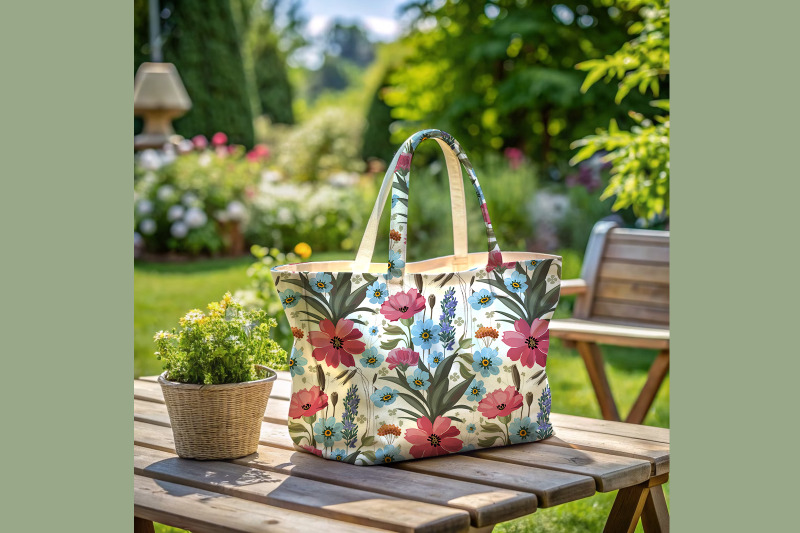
[158,86]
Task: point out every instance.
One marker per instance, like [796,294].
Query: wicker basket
[217,421]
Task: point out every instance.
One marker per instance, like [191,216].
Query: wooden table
[280,489]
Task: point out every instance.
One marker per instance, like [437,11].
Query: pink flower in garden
[259,152]
[307,402]
[514,156]
[336,344]
[219,139]
[403,357]
[431,439]
[501,402]
[403,305]
[403,162]
[313,450]
[528,344]
[200,142]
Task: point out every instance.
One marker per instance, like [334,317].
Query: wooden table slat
[655,452]
[290,492]
[622,429]
[610,472]
[200,510]
[486,505]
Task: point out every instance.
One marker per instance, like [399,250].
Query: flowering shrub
[221,346]
[190,203]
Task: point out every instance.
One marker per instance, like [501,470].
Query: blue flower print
[395,264]
[383,397]
[373,331]
[521,430]
[486,362]
[289,298]
[321,282]
[434,359]
[338,455]
[371,358]
[471,428]
[419,380]
[425,333]
[475,391]
[468,448]
[395,198]
[481,299]
[530,265]
[297,362]
[388,454]
[377,293]
[516,283]
[327,431]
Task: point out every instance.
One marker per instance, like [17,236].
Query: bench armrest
[573,286]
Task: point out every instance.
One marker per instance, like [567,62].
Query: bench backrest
[627,276]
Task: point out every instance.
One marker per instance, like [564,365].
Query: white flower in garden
[190,200]
[179,230]
[221,216]
[165,193]
[204,160]
[138,240]
[168,155]
[150,160]
[150,178]
[185,146]
[147,226]
[195,217]
[175,212]
[270,176]
[284,215]
[161,335]
[144,207]
[236,210]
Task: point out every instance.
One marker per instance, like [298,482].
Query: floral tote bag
[404,360]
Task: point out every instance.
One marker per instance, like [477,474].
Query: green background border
[67,265]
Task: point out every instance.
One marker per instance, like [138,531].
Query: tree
[200,38]
[501,74]
[639,157]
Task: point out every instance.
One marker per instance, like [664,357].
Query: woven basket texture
[217,421]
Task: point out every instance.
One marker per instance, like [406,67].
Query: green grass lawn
[164,292]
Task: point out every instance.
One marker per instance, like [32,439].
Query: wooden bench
[623,300]
[281,489]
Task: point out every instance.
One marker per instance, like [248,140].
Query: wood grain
[610,472]
[635,336]
[622,429]
[627,508]
[655,376]
[486,505]
[289,492]
[200,510]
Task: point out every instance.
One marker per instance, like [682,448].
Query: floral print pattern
[390,365]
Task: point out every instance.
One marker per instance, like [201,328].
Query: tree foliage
[501,74]
[201,39]
[639,157]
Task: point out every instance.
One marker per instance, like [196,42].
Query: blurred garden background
[297,106]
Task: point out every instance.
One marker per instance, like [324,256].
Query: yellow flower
[192,317]
[303,250]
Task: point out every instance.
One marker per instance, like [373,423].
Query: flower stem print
[350,428]
[447,333]
[524,293]
[333,298]
[543,418]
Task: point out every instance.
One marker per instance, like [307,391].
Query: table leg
[657,373]
[140,525]
[655,516]
[593,359]
[627,508]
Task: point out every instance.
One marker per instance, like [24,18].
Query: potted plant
[216,379]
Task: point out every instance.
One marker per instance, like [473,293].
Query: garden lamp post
[158,97]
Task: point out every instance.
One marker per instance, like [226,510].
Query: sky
[379,17]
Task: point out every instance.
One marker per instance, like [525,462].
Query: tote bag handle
[397,180]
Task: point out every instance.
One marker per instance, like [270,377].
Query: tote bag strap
[457,205]
[397,181]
